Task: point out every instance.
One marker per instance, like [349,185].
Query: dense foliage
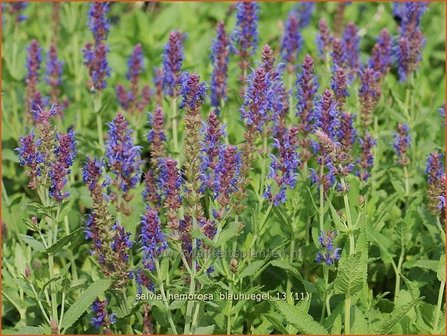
[223,168]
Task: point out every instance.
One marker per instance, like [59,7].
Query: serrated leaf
[285,265]
[300,319]
[63,242]
[84,302]
[396,315]
[441,269]
[336,327]
[351,274]
[31,241]
[427,264]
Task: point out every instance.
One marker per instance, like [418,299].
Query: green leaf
[230,232]
[204,330]
[337,220]
[441,269]
[299,319]
[427,264]
[31,241]
[84,302]
[336,327]
[351,274]
[64,241]
[397,314]
[251,269]
[359,324]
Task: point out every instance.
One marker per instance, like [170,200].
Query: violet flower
[245,35]
[219,58]
[135,99]
[326,115]
[304,11]
[339,85]
[156,135]
[54,77]
[284,166]
[366,160]
[351,45]
[33,64]
[408,51]
[436,180]
[172,63]
[158,84]
[307,87]
[328,254]
[29,156]
[95,54]
[16,9]
[123,158]
[291,42]
[323,39]
[402,140]
[369,94]
[381,55]
[153,239]
[169,183]
[102,318]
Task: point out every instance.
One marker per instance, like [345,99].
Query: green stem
[441,229]
[348,314]
[438,308]
[397,272]
[289,276]
[192,289]
[230,307]
[325,296]
[97,109]
[165,299]
[321,212]
[348,219]
[174,125]
[407,182]
[195,318]
[44,313]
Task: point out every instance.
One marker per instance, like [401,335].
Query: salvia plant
[244,168]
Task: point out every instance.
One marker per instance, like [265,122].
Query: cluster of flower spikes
[111,244]
[220,165]
[95,54]
[327,254]
[48,155]
[136,99]
[436,181]
[410,42]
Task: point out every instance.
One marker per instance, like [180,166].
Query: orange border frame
[179,1]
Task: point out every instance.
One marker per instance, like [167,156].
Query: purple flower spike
[123,157]
[324,39]
[351,44]
[158,84]
[65,154]
[257,99]
[338,54]
[402,140]
[408,51]
[284,166]
[169,185]
[212,142]
[30,157]
[102,318]
[33,64]
[339,85]
[291,43]
[152,238]
[133,100]
[304,11]
[245,35]
[97,20]
[156,136]
[16,9]
[54,73]
[172,63]
[328,254]
[92,173]
[366,161]
[226,174]
[307,87]
[381,55]
[326,115]
[369,94]
[95,59]
[219,58]
[436,180]
[193,92]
